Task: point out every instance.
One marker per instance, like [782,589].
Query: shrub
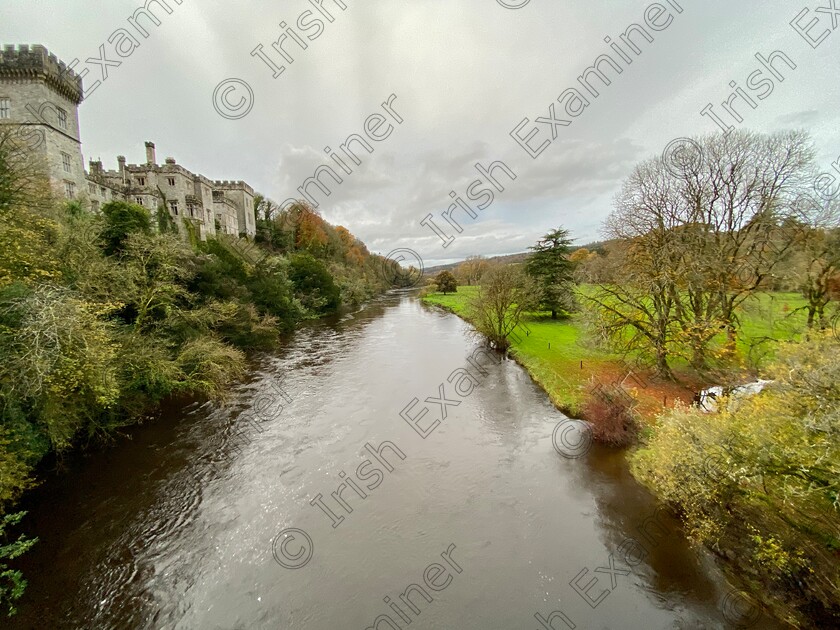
[314,286]
[209,366]
[121,219]
[760,478]
[609,409]
[12,583]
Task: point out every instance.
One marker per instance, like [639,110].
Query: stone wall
[242,195]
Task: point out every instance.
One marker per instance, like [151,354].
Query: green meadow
[564,360]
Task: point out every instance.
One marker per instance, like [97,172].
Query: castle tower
[40,97]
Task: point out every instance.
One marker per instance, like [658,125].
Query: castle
[40,97]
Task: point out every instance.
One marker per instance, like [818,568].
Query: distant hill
[508,259]
[505,259]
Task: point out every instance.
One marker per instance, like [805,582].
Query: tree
[310,229]
[471,270]
[23,177]
[699,238]
[635,310]
[265,206]
[446,282]
[122,219]
[58,360]
[580,255]
[759,480]
[313,283]
[27,234]
[155,273]
[741,190]
[273,292]
[816,257]
[550,266]
[496,310]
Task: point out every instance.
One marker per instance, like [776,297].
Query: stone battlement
[225,184]
[36,61]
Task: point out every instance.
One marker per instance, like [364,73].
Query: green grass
[560,358]
[769,317]
[455,302]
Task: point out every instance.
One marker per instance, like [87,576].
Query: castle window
[141,181]
[103,191]
[92,188]
[94,205]
[171,181]
[62,118]
[5,108]
[66,162]
[69,189]
[139,201]
[190,209]
[173,207]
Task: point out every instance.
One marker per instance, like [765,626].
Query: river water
[203,520]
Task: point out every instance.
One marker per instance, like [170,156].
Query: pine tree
[550,266]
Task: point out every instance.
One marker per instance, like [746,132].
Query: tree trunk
[698,357]
[731,345]
[553,314]
[662,368]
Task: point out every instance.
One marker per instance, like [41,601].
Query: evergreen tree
[550,266]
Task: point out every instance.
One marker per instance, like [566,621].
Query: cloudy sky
[465,74]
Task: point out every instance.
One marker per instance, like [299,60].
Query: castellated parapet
[224,184]
[36,62]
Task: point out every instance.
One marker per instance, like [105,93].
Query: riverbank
[106,316]
[560,359]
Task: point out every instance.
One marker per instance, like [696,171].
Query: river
[203,520]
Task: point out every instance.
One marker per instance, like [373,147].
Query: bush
[12,583]
[121,219]
[209,366]
[59,362]
[314,286]
[609,409]
[274,293]
[758,481]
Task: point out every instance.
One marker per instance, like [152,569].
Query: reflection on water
[409,482]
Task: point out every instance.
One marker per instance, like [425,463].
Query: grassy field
[561,358]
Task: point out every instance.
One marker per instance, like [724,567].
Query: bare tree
[701,236]
[636,310]
[505,294]
[471,270]
[23,176]
[816,258]
[748,188]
